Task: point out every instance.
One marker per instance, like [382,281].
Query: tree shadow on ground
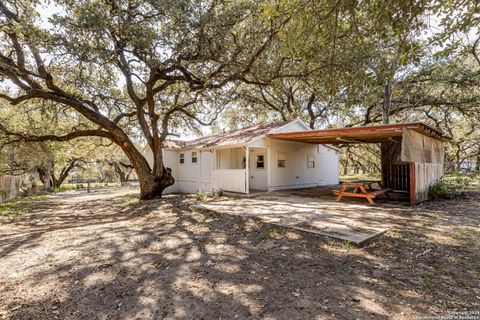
[124,259]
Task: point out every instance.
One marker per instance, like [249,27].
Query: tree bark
[477,164]
[387,101]
[457,158]
[152,186]
[64,173]
[45,175]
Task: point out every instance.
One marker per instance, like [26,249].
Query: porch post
[213,166]
[247,171]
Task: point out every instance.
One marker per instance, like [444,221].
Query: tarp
[420,148]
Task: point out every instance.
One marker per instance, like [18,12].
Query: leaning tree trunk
[45,174]
[152,186]
[64,173]
[152,181]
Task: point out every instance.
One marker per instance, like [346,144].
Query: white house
[219,162]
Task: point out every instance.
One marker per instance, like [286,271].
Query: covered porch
[240,169]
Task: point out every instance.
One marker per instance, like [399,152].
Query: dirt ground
[107,255]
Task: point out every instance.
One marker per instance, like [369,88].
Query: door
[258,169]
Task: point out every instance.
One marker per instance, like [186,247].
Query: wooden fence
[9,187]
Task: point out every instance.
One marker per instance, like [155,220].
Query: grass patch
[360,177]
[476,267]
[427,224]
[19,206]
[270,233]
[426,280]
[467,234]
[348,245]
[132,201]
[380,253]
[201,196]
[207,222]
[83,186]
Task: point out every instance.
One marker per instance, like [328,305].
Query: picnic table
[361,189]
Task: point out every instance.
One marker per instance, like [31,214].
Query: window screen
[260,161]
[281,160]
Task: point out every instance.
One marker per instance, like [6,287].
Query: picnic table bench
[361,189]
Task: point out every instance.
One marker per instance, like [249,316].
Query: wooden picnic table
[361,189]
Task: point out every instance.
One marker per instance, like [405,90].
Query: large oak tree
[157,65]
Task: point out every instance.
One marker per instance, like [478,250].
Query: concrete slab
[351,222]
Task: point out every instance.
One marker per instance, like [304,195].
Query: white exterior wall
[296,174]
[189,177]
[293,126]
[170,159]
[193,177]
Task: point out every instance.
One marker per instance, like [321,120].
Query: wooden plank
[412,183]
[356,195]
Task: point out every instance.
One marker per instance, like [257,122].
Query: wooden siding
[232,180]
[425,175]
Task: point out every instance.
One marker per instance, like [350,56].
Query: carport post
[412,183]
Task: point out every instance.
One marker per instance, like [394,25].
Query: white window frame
[257,161]
[181,158]
[196,157]
[281,156]
[310,161]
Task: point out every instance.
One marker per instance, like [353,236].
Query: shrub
[200,196]
[448,189]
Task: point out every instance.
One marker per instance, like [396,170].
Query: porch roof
[368,134]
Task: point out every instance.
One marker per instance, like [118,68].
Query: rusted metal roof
[235,137]
[368,134]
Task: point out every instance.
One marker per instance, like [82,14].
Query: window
[281,159]
[194,157]
[310,162]
[181,158]
[260,161]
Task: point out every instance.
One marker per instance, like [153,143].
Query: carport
[412,154]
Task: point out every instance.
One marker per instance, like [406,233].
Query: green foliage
[426,280]
[20,206]
[270,233]
[467,234]
[84,186]
[201,196]
[184,62]
[348,245]
[448,188]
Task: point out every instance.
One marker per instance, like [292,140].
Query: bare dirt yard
[106,255]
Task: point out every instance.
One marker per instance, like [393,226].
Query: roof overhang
[357,135]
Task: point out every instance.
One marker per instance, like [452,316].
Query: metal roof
[235,137]
[368,134]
